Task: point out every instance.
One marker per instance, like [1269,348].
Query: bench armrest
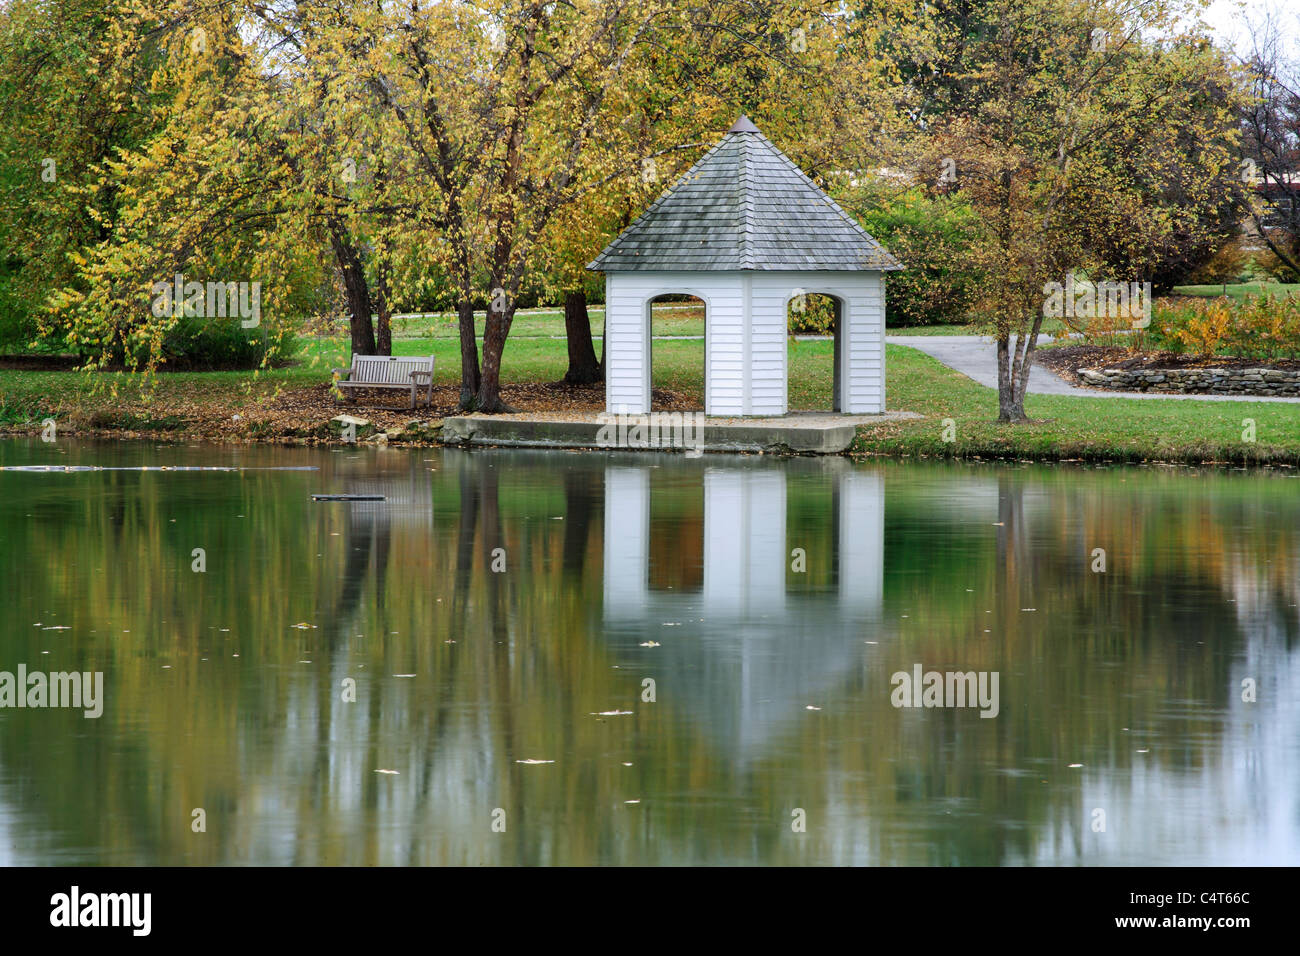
[422,375]
[342,373]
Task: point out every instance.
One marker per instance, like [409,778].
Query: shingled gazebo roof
[744,205]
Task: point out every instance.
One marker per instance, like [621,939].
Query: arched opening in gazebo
[677,322]
[816,321]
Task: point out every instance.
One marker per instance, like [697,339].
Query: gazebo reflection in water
[744,618]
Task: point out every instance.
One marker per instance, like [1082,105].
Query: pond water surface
[582,658]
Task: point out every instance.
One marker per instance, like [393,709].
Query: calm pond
[567,658]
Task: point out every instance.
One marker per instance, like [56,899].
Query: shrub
[208,344]
[929,236]
[18,325]
[1231,263]
[1262,326]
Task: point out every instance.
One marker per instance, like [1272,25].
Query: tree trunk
[583,367]
[1026,343]
[495,331]
[355,287]
[383,312]
[1011,410]
[1011,406]
[469,373]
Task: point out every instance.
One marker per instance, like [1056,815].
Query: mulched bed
[318,401]
[1067,360]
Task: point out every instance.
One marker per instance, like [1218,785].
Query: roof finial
[743,125]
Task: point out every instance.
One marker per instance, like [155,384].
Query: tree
[492,109]
[1045,96]
[251,164]
[1270,190]
[191,198]
[502,117]
[72,93]
[812,74]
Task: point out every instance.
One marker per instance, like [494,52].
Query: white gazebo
[745,231]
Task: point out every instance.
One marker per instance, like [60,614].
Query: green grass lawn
[1239,290]
[1050,327]
[1068,427]
[932,330]
[668,320]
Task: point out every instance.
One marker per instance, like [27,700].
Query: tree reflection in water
[621,568]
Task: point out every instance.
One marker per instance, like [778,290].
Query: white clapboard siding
[746,344]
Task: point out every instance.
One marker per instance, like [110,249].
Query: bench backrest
[389,369]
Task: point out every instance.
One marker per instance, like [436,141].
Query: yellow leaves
[1261,326]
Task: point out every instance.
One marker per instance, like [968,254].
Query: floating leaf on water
[649,644]
[531,761]
[388,771]
[609,713]
[1075,765]
[403,675]
[811,707]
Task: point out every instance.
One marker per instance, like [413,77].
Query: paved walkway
[976,357]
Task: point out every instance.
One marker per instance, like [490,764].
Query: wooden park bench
[412,373]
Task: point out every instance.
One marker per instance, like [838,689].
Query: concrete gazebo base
[798,433]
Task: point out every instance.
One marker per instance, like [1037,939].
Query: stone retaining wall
[1212,381]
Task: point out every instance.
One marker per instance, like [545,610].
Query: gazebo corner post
[841,356]
[884,309]
[647,357]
